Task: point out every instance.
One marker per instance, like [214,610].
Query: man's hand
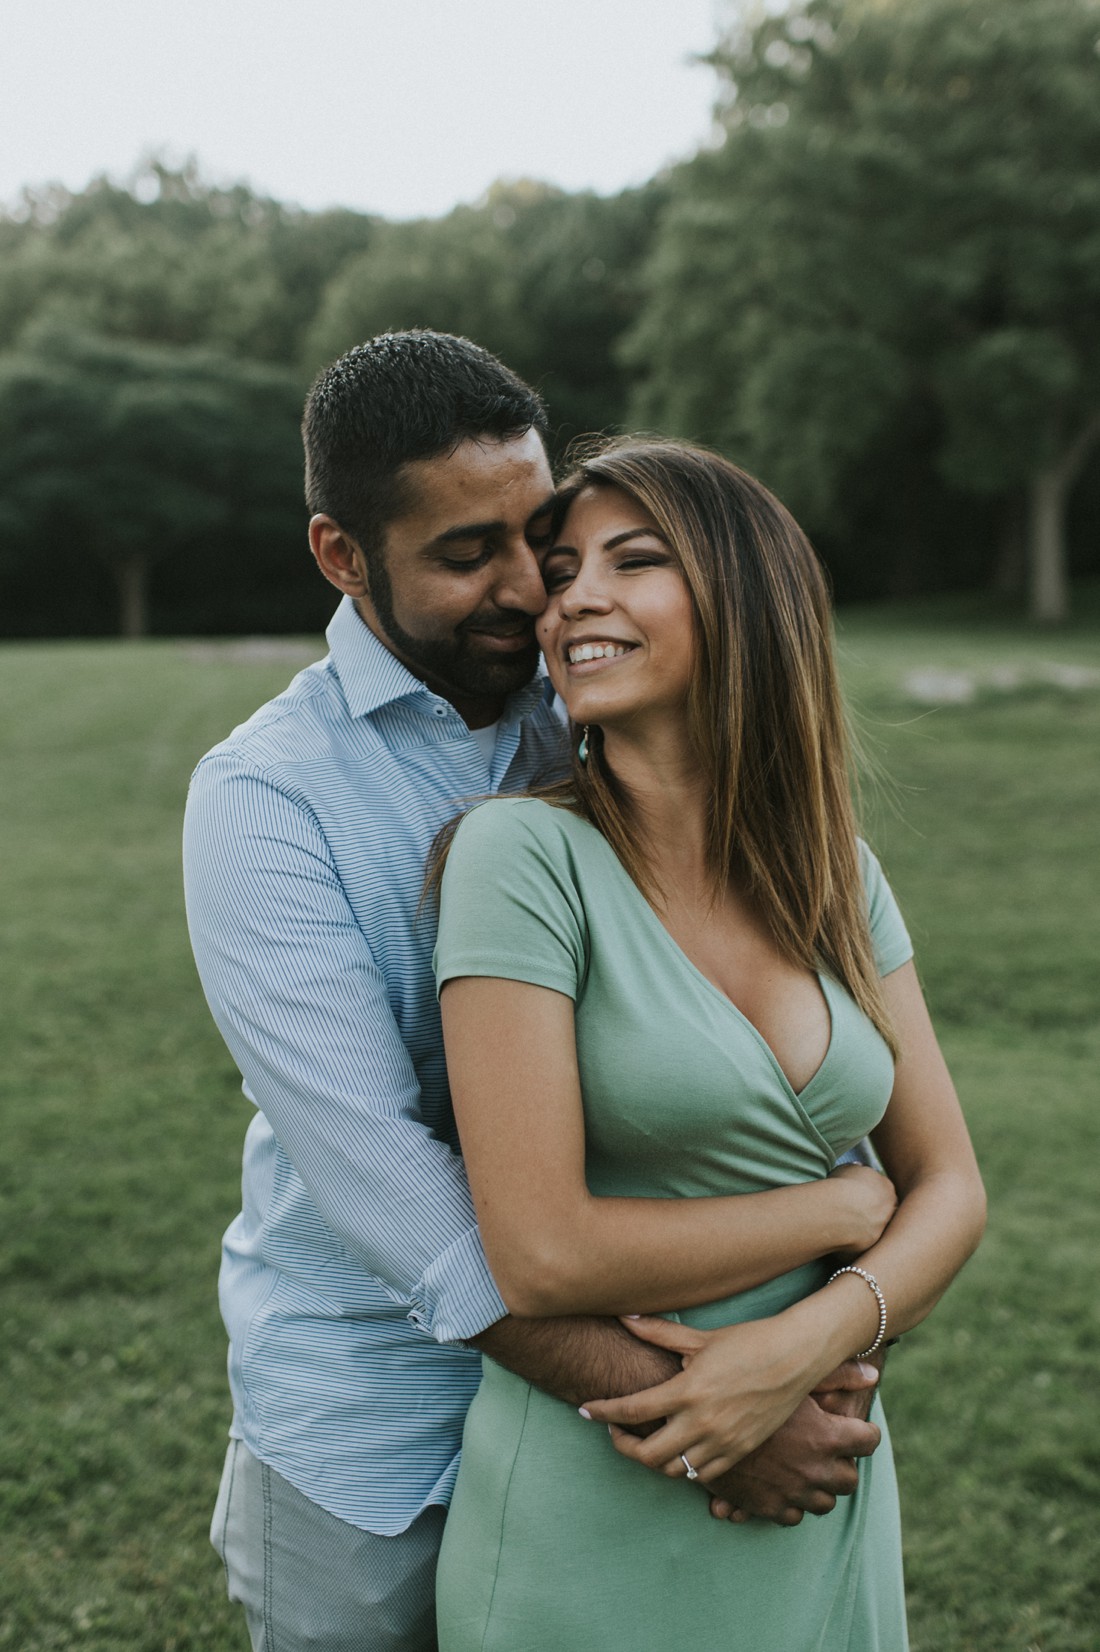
[802,1466]
[850,1390]
[809,1462]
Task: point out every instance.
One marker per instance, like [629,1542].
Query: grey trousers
[309,1580]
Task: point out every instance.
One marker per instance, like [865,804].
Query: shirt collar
[372,677]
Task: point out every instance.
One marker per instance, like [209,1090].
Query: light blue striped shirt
[355,1267]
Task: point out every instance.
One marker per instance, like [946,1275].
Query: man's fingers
[864,1440]
[849,1436]
[853,1374]
[755,1500]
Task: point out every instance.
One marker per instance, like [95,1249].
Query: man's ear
[338,556]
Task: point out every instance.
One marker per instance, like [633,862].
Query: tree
[136,455]
[170,259]
[898,243]
[546,280]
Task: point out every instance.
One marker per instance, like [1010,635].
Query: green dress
[554,1542]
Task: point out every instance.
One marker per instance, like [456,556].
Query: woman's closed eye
[557,573]
[639,559]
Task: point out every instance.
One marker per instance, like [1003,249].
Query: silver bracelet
[879,1298]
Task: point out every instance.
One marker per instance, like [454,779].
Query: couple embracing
[549,1107]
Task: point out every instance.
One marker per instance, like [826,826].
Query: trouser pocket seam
[269,1583]
[234,1448]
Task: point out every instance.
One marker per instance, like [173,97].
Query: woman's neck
[667,788]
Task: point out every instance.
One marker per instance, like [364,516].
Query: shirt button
[441,711]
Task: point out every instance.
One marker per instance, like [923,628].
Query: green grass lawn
[123,1121]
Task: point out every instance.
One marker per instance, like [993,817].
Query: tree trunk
[1049,603]
[1048,493]
[132,583]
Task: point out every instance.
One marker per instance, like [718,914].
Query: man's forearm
[577,1358]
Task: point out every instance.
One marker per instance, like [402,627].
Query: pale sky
[402,107]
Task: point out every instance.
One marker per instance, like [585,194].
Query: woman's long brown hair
[765,711]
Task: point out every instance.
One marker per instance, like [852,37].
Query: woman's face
[618,631]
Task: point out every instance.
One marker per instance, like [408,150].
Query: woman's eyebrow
[633,533]
[561,549]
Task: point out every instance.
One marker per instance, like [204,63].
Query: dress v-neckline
[723,998]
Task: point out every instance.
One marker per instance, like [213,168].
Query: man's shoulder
[294,727]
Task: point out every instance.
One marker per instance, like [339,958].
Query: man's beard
[453,661]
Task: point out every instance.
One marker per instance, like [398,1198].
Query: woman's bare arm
[740,1383]
[556,1249]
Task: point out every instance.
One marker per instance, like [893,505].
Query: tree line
[878,287]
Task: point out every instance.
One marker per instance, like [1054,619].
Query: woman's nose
[585,594]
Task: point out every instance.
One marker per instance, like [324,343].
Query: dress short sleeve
[889,936]
[509,905]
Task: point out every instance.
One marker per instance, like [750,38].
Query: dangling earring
[582,749]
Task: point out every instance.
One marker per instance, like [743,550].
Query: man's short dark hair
[397,398]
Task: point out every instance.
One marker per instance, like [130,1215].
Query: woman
[674,990]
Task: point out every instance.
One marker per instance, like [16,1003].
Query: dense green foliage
[173,260]
[548,281]
[881,291]
[894,261]
[128,455]
[124,1123]
[174,282]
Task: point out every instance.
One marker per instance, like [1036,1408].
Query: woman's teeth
[595,651]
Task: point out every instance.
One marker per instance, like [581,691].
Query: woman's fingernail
[870,1372]
[587,1415]
[632,1316]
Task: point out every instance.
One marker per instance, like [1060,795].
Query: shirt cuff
[456,1299]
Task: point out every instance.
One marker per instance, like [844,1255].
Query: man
[353,1283]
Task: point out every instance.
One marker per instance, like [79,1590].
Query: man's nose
[520,585]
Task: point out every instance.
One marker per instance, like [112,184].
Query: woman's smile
[584,658]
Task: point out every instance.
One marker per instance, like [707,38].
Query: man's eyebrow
[468,530]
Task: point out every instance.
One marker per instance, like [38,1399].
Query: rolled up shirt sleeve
[302,1005]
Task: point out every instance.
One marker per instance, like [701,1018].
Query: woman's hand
[739,1384]
[870,1201]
